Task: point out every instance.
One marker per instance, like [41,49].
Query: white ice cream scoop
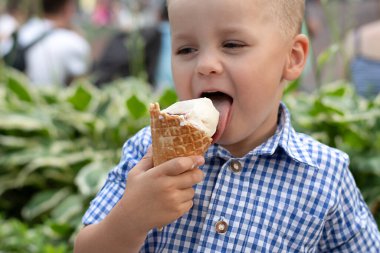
[199,112]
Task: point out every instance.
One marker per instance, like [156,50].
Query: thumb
[146,162]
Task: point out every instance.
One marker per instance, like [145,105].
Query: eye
[233,44]
[186,50]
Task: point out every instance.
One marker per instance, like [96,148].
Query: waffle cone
[173,137]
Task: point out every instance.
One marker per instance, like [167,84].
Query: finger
[189,178]
[187,194]
[186,206]
[179,165]
[146,162]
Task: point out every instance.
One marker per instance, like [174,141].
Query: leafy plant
[17,237]
[58,145]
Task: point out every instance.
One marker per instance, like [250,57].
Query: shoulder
[132,152]
[321,153]
[138,144]
[323,170]
[326,159]
[69,38]
[307,150]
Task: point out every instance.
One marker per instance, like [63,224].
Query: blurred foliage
[57,146]
[16,236]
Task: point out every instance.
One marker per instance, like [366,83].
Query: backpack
[16,57]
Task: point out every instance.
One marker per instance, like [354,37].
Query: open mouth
[223,103]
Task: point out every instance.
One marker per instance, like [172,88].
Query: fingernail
[199,160]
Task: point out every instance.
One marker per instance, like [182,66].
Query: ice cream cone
[173,137]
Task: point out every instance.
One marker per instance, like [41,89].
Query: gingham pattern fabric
[293,194]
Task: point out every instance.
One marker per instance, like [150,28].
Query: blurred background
[77,76]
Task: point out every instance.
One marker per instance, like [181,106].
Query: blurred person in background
[60,54]
[117,58]
[10,20]
[102,14]
[363,53]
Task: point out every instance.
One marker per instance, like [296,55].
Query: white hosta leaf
[21,122]
[43,202]
[91,178]
[69,208]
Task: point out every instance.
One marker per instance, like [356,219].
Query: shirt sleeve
[351,226]
[78,57]
[113,189]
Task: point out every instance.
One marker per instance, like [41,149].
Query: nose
[209,64]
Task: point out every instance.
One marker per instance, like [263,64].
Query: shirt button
[235,166]
[221,227]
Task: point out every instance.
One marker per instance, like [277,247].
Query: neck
[59,20]
[245,146]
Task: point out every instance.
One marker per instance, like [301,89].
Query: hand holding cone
[173,136]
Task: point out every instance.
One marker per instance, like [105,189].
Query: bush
[57,146]
[16,236]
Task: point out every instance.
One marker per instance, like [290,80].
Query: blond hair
[288,14]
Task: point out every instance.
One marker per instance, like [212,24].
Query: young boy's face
[234,48]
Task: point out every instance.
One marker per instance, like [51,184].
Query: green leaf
[68,208]
[81,98]
[370,165]
[44,201]
[60,228]
[336,90]
[17,88]
[327,55]
[167,98]
[103,106]
[292,86]
[136,107]
[20,122]
[91,177]
[14,142]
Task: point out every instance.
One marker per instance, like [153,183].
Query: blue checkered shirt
[292,194]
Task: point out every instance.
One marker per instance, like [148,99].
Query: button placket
[215,223]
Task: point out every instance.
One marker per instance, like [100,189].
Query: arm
[165,191]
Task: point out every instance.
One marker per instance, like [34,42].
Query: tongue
[223,105]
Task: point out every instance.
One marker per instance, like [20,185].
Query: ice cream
[200,113]
[183,129]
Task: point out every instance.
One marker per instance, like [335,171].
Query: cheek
[182,84]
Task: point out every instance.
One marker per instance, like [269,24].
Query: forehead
[211,16]
[222,4]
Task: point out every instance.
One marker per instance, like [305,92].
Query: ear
[297,57]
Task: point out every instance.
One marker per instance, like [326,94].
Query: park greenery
[58,144]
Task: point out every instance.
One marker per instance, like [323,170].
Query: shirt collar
[285,138]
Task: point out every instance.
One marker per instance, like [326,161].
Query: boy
[262,187]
